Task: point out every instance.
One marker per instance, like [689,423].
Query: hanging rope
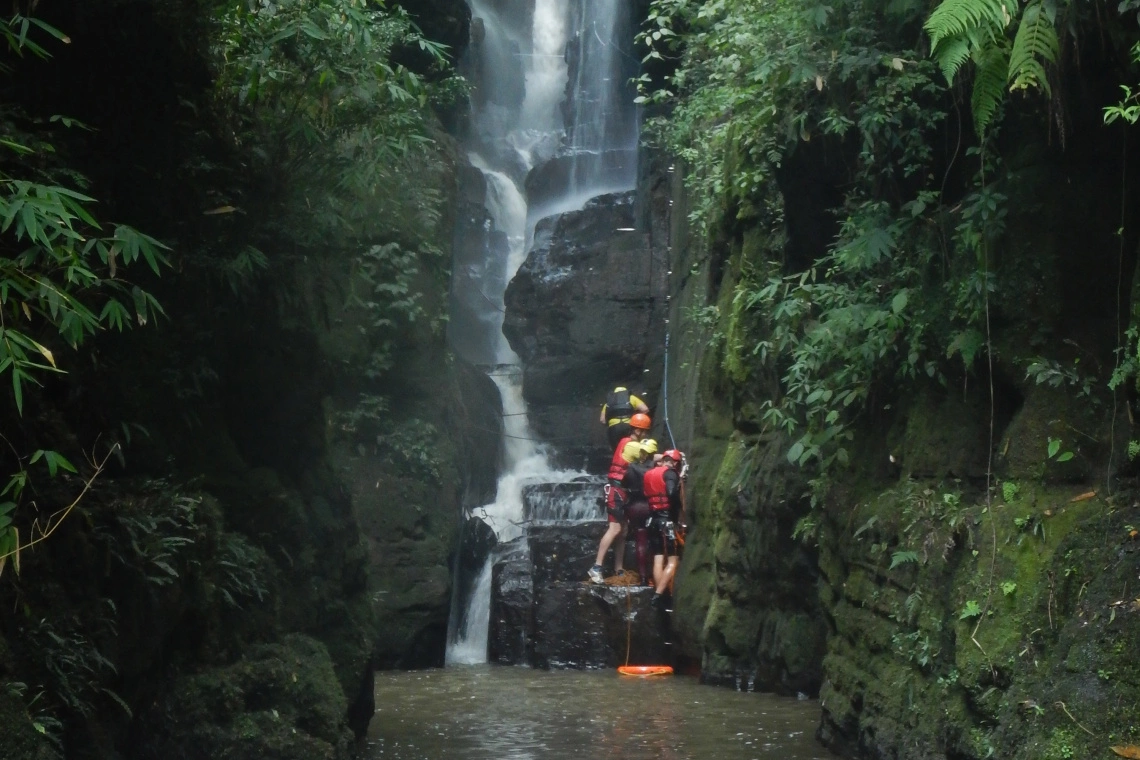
[628,621]
[668,288]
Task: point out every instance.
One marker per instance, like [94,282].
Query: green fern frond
[952,53]
[958,17]
[991,65]
[1036,41]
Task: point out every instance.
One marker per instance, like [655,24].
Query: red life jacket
[655,490]
[618,465]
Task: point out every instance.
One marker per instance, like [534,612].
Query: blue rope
[668,286]
[665,392]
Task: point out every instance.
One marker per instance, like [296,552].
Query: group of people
[643,493]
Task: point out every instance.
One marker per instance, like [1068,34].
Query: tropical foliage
[979,31]
[903,286]
[62,275]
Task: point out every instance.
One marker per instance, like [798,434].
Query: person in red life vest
[628,451]
[618,410]
[662,489]
[637,512]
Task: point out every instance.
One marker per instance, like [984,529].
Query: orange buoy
[645,670]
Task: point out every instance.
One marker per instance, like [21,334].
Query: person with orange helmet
[628,451]
[617,412]
[662,488]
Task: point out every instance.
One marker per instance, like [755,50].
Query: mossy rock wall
[940,611]
[961,630]
[745,600]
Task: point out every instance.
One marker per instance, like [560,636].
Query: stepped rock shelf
[543,612]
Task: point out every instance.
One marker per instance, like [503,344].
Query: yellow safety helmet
[649,446]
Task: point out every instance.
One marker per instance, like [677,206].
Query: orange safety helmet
[674,454]
[640,421]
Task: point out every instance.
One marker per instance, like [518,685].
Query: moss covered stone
[282,700]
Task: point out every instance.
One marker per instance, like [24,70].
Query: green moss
[941,436]
[693,592]
[283,700]
[1024,557]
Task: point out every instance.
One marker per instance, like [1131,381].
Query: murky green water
[502,713]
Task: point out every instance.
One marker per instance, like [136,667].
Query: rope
[628,621]
[668,273]
[665,392]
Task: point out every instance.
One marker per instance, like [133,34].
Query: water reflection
[493,713]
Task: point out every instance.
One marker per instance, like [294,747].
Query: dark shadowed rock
[476,543]
[281,701]
[475,546]
[563,551]
[545,614]
[584,312]
[510,639]
[546,183]
[585,626]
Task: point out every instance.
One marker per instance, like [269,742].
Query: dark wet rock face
[585,312]
[477,542]
[547,183]
[511,636]
[545,614]
[563,552]
[582,625]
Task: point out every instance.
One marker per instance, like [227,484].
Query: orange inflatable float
[645,670]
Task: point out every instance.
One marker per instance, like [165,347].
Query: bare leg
[667,574]
[612,532]
[619,551]
[658,572]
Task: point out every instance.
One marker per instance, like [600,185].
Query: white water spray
[546,69]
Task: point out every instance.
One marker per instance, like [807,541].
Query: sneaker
[596,575]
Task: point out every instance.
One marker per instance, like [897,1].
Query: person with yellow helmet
[627,451]
[637,511]
[617,412]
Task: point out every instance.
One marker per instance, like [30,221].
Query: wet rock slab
[586,626]
[587,310]
[509,640]
[545,614]
[563,551]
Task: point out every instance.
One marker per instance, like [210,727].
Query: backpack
[617,403]
[635,477]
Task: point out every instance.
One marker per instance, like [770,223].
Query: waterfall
[550,90]
[470,644]
[602,123]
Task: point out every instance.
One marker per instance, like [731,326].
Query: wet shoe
[596,575]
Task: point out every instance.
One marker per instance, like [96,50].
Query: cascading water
[525,117]
[602,133]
